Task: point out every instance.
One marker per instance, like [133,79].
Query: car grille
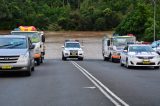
[140,57]
[73,52]
[139,63]
[8,59]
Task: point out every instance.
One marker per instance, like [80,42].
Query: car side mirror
[32,47]
[108,43]
[43,38]
[82,46]
[62,46]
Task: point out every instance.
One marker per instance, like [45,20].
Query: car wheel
[32,69]
[105,58]
[38,62]
[28,72]
[110,57]
[121,63]
[64,58]
[156,67]
[41,60]
[80,58]
[113,60]
[127,64]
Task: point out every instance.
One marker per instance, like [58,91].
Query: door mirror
[43,38]
[108,43]
[62,46]
[32,47]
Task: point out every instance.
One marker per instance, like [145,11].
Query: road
[92,82]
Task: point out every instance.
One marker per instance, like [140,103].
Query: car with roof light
[139,55]
[16,54]
[37,38]
[72,49]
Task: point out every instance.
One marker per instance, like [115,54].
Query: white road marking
[105,90]
[92,87]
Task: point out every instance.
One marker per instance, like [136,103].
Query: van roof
[24,31]
[12,36]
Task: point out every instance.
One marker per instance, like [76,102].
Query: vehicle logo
[6,58]
[145,57]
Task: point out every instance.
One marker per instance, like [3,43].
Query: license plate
[146,62]
[6,67]
[74,54]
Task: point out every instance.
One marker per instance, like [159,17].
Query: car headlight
[158,56]
[80,51]
[24,58]
[66,51]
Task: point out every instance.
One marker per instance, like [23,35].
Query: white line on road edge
[101,87]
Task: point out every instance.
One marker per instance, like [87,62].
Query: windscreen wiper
[1,46]
[12,46]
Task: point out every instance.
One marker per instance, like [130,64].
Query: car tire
[113,60]
[28,72]
[41,60]
[38,62]
[156,67]
[121,63]
[129,67]
[32,69]
[105,58]
[80,58]
[64,58]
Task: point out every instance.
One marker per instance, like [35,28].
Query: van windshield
[122,41]
[35,37]
[13,43]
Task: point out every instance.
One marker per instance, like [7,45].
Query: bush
[54,27]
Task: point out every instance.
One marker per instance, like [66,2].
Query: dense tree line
[123,16]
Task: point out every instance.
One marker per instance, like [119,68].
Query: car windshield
[72,45]
[35,37]
[140,49]
[122,41]
[13,43]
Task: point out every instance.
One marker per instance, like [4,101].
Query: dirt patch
[5,32]
[69,33]
[78,33]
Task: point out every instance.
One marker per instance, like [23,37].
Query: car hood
[143,53]
[73,49]
[9,52]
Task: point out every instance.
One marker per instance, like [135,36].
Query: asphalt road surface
[92,82]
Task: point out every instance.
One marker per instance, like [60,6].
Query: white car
[156,46]
[139,55]
[72,49]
